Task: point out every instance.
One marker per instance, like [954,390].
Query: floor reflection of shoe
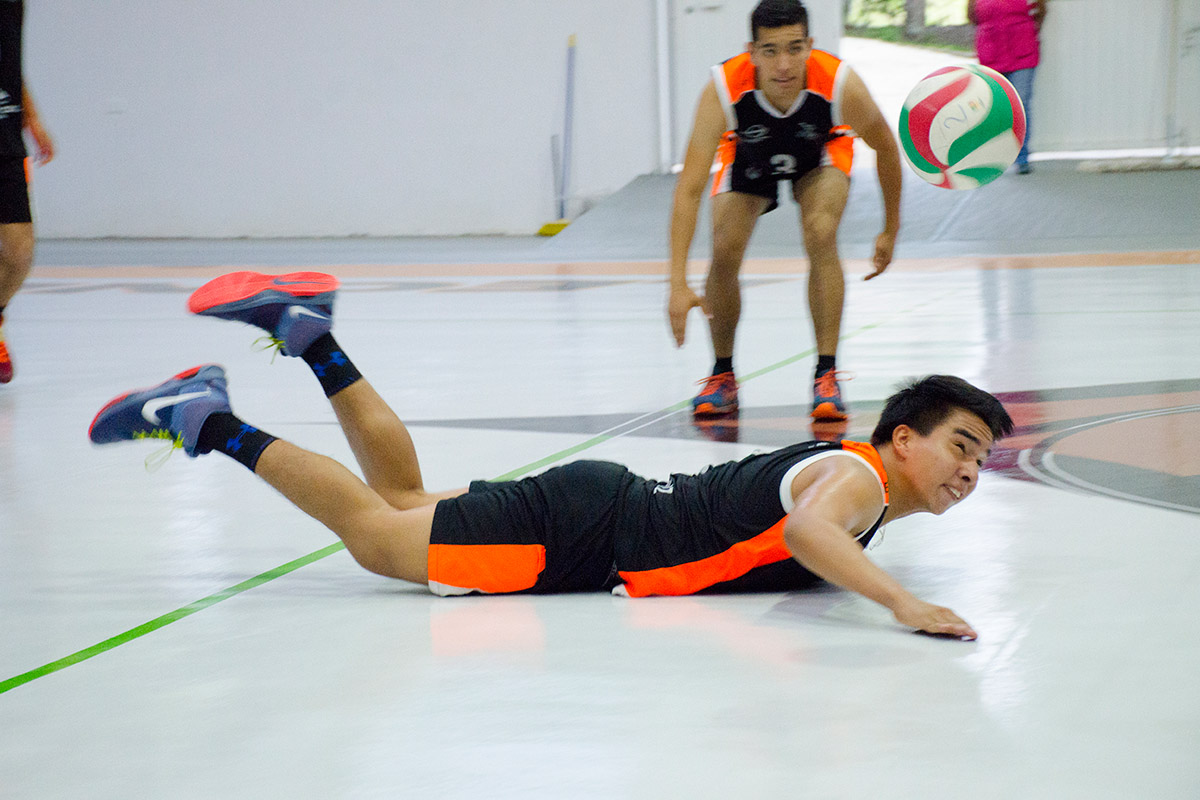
[827,397]
[830,430]
[719,429]
[718,397]
[1024,169]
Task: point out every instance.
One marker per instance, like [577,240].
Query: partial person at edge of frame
[17,114]
[1007,40]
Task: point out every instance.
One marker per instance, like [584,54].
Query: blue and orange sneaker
[294,309]
[827,397]
[718,397]
[6,365]
[174,410]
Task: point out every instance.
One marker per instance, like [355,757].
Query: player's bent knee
[821,233]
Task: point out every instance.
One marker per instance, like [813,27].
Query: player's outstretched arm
[707,131]
[837,499]
[860,112]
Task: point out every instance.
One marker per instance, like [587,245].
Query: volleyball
[962,126]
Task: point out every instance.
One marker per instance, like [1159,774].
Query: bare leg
[734,217]
[822,196]
[16,257]
[382,446]
[383,539]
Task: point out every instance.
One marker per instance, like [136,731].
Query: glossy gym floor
[184,632]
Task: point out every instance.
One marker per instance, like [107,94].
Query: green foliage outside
[887,13]
[884,20]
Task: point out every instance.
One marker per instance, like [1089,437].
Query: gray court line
[1049,471]
[291,566]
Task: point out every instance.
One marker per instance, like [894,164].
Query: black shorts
[14,190]
[760,174]
[552,532]
[766,186]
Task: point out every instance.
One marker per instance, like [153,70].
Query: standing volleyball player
[781,111]
[17,113]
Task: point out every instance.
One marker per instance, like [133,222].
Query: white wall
[1116,76]
[306,118]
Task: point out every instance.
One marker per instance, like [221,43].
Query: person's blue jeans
[1022,81]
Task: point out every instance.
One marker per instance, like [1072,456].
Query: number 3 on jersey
[783,164]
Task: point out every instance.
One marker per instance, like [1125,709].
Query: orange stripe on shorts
[488,568]
[841,151]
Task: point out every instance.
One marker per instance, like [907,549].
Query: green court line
[550,459]
[167,619]
[317,555]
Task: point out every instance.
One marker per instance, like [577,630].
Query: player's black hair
[924,404]
[777,14]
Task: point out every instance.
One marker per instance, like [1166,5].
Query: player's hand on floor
[679,304]
[929,618]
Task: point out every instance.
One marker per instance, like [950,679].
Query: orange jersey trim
[489,568]
[766,548]
[871,455]
[738,76]
[820,74]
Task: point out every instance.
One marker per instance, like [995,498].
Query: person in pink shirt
[1006,39]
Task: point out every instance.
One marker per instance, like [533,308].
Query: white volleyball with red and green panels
[962,126]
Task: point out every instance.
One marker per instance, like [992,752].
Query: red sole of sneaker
[238,286]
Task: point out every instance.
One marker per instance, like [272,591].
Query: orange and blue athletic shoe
[174,410]
[294,309]
[6,365]
[718,397]
[827,397]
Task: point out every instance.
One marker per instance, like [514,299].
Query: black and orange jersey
[12,14]
[722,529]
[592,525]
[764,143]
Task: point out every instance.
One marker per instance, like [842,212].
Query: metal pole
[565,173]
[666,143]
[1173,134]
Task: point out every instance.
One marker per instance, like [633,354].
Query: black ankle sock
[723,365]
[825,363]
[330,365]
[227,434]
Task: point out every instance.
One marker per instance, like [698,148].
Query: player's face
[779,55]
[944,466]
